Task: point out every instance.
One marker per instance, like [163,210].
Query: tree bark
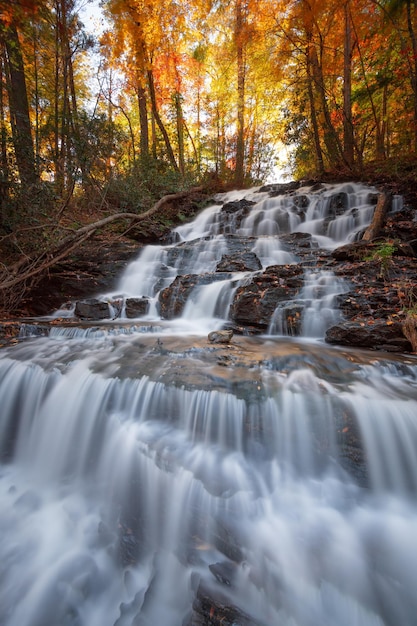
[241,75]
[348,138]
[159,122]
[143,121]
[313,112]
[383,206]
[19,106]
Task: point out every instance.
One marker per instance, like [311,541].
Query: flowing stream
[150,478]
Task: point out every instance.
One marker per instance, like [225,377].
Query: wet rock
[212,608]
[353,251]
[224,572]
[172,299]
[243,206]
[135,307]
[92,309]
[234,213]
[375,335]
[280,189]
[246,262]
[220,336]
[254,304]
[95,268]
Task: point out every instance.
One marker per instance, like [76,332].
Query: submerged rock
[212,608]
[220,336]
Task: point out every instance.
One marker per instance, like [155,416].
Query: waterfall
[149,477]
[139,477]
[238,223]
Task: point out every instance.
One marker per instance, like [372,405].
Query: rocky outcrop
[92,309]
[254,303]
[172,299]
[135,307]
[245,262]
[212,608]
[375,335]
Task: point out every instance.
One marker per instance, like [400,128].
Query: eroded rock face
[135,307]
[378,335]
[254,304]
[92,309]
[172,299]
[246,262]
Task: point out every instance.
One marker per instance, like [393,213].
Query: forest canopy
[190,87]
[182,92]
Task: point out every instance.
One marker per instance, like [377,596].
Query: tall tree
[18,102]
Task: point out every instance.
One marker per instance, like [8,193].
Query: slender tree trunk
[4,166]
[159,122]
[19,108]
[413,69]
[313,114]
[379,121]
[73,117]
[241,76]
[180,132]
[58,148]
[36,80]
[143,121]
[348,137]
[331,140]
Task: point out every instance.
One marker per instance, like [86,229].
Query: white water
[118,492]
[332,216]
[142,471]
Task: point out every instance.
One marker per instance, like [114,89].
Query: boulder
[92,309]
[135,307]
[220,336]
[245,262]
[172,299]
[212,608]
[379,335]
[254,304]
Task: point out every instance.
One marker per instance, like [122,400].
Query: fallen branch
[27,268]
[380,214]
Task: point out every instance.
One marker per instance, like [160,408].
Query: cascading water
[148,477]
[252,223]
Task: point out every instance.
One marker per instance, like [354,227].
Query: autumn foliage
[178,90]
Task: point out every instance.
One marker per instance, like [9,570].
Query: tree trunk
[159,122]
[383,206]
[180,132]
[348,138]
[4,166]
[313,114]
[143,121]
[241,75]
[331,140]
[413,65]
[58,137]
[19,107]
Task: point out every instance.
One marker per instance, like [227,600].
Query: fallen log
[382,208]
